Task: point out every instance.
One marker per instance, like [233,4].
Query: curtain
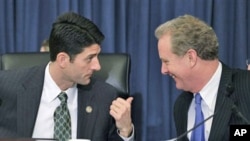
[129,28]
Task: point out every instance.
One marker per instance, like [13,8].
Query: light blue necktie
[198,133]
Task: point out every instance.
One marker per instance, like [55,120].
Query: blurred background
[129,28]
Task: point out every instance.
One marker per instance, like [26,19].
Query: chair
[115,67]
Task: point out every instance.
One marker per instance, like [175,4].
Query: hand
[121,111]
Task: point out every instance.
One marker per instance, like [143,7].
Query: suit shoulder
[241,76]
[16,75]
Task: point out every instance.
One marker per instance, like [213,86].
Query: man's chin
[177,86]
[85,82]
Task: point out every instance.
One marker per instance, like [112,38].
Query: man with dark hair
[61,100]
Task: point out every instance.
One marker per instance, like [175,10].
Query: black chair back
[115,67]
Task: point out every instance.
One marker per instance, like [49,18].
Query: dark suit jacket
[20,93]
[234,89]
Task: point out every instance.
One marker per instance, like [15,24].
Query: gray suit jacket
[20,93]
[234,89]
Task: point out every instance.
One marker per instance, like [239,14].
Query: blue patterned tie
[198,133]
[62,128]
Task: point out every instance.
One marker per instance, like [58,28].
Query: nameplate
[239,132]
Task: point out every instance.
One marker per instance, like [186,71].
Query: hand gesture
[121,111]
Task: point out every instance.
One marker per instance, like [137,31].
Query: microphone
[196,126]
[236,111]
[234,108]
[228,91]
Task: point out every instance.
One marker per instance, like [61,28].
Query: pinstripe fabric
[20,93]
[240,96]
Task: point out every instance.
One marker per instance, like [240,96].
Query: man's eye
[89,58]
[165,62]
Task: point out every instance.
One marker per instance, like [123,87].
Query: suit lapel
[222,108]
[28,101]
[87,112]
[181,112]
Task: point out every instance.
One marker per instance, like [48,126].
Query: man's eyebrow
[92,55]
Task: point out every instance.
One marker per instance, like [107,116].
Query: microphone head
[229,89]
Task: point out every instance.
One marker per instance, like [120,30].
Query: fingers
[129,100]
[121,107]
[120,110]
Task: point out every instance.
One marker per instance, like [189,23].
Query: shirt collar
[51,90]
[209,91]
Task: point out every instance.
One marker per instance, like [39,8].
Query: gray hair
[188,32]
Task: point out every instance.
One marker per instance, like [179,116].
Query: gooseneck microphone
[234,108]
[236,111]
[228,91]
[196,126]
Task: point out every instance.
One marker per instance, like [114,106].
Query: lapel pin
[89,109]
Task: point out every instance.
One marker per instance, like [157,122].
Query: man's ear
[192,57]
[62,59]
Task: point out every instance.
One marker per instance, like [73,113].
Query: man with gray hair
[188,50]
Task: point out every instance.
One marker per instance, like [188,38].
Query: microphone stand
[185,133]
[228,92]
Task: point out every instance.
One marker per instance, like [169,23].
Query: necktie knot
[63,97]
[198,98]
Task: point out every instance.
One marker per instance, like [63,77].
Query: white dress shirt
[208,94]
[44,126]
